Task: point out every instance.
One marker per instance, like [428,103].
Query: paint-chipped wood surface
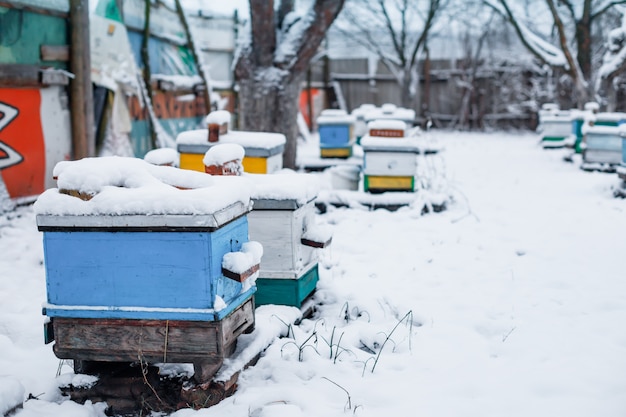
[152,341]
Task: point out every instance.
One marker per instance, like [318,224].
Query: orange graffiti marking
[22,147]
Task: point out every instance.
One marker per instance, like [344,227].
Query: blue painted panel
[604,142]
[129,269]
[141,269]
[165,58]
[226,240]
[334,136]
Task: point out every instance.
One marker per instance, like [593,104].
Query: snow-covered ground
[510,303]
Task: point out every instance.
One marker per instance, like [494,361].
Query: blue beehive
[336,131]
[146,261]
[140,252]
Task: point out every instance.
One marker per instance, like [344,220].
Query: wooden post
[83,135]
[309,98]
[147,73]
[426,94]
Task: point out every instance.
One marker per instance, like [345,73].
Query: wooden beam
[81,94]
[19,75]
[54,52]
[30,76]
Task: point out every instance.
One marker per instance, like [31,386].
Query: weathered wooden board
[20,75]
[54,52]
[151,341]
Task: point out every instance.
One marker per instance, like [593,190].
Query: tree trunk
[583,41]
[268,103]
[406,98]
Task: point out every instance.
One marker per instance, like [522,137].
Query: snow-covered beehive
[283,221]
[360,125]
[135,251]
[602,143]
[263,151]
[389,111]
[390,159]
[556,126]
[336,131]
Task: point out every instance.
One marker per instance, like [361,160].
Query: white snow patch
[249,256]
[11,393]
[121,186]
[284,185]
[162,156]
[222,153]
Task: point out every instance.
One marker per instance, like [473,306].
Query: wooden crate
[287,291]
[203,343]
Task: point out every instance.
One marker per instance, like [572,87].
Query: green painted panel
[140,138]
[290,292]
[22,33]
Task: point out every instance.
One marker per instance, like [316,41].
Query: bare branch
[432,11]
[286,7]
[522,31]
[606,8]
[392,34]
[574,69]
[324,12]
[570,7]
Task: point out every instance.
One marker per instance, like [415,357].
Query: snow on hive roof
[284,185]
[130,186]
[388,108]
[601,130]
[372,143]
[399,113]
[218,116]
[162,156]
[549,106]
[246,139]
[222,153]
[333,113]
[610,116]
[592,105]
[560,116]
[384,124]
[335,116]
[254,139]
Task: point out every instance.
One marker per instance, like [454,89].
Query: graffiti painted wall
[34,136]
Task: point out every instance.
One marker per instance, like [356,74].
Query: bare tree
[574,53]
[271,66]
[389,30]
